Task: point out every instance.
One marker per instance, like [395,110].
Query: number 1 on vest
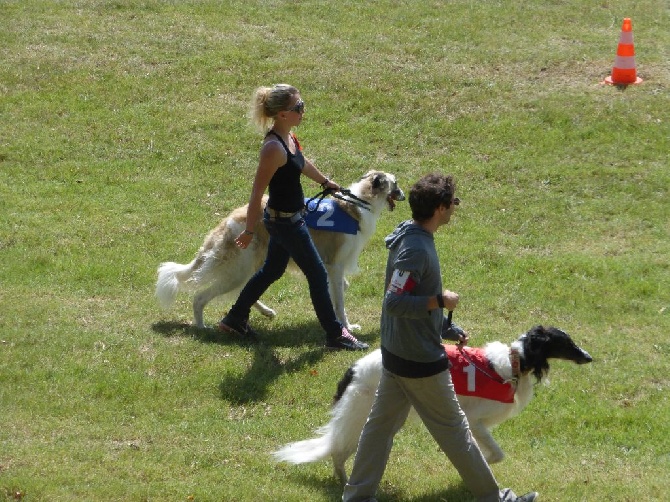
[470,371]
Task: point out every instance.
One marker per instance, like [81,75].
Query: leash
[450,314]
[497,378]
[343,194]
[515,372]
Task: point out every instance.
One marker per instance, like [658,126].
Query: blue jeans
[290,240]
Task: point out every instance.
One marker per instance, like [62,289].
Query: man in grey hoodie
[415,364]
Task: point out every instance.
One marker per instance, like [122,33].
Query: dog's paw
[494,458]
[265,310]
[270,313]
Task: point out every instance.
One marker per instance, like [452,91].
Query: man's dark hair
[427,194]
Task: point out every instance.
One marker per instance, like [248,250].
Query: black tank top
[285,189]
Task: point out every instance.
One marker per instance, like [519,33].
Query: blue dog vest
[330,217]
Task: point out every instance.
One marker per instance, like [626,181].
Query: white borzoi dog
[221,268]
[492,368]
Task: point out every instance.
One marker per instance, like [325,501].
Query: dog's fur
[221,268]
[356,392]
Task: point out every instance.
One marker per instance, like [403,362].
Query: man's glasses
[457,201]
[299,107]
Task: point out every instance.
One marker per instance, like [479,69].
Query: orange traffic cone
[623,72]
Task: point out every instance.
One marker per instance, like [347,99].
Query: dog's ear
[534,354]
[540,334]
[366,175]
[378,180]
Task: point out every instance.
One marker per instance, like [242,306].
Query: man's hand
[454,333]
[450,299]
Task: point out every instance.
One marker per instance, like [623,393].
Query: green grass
[124,140]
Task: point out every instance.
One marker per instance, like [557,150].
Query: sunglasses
[299,107]
[456,201]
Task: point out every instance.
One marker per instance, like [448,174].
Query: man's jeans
[434,399]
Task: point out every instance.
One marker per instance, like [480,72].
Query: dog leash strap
[353,197]
[481,370]
[515,360]
[318,198]
[346,196]
[465,355]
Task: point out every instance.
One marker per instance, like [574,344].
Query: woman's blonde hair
[268,102]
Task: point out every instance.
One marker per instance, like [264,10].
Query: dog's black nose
[586,358]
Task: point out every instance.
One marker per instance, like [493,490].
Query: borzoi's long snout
[585,357]
[396,195]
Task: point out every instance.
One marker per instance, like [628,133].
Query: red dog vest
[473,376]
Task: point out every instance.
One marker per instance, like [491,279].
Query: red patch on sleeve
[401,282]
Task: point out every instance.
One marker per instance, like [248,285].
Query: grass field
[124,140]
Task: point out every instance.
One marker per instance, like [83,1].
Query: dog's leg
[265,310]
[335,289]
[202,298]
[222,286]
[489,447]
[345,287]
[339,469]
[336,286]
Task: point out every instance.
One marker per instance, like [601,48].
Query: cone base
[609,81]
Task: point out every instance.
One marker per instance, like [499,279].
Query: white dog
[488,390]
[221,268]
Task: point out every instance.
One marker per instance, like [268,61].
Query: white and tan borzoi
[490,368]
[221,268]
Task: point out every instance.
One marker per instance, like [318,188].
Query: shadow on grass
[266,367]
[205,335]
[305,344]
[459,492]
[332,488]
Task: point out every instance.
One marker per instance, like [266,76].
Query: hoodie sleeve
[400,298]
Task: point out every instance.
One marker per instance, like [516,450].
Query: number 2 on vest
[324,220]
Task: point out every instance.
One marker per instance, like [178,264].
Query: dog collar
[515,361]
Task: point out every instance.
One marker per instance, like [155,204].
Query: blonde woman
[276,111]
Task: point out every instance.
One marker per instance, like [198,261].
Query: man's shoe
[507,495]
[346,341]
[230,325]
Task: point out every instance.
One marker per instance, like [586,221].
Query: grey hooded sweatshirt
[411,335]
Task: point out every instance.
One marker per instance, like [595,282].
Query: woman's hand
[331,185]
[244,239]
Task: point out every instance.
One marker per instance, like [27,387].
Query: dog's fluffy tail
[173,278]
[309,450]
[320,447]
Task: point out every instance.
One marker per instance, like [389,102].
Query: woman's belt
[273,214]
